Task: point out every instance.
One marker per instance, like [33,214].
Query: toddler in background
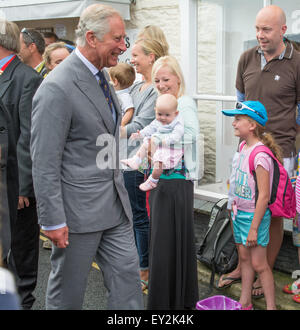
[164,135]
[122,77]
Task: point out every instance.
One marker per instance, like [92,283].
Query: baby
[164,134]
[122,77]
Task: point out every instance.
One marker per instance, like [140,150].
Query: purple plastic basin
[218,303]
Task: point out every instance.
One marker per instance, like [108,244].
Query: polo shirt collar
[287,52]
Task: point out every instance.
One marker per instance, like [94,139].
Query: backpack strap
[242,145]
[254,152]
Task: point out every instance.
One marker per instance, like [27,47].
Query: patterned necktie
[105,88]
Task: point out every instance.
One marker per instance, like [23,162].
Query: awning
[27,10]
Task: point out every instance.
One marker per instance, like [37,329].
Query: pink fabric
[297,191]
[168,156]
[244,182]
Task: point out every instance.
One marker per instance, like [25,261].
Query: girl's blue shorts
[242,223]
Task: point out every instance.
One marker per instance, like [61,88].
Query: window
[224,32]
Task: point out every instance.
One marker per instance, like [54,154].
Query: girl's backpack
[282,201]
[218,249]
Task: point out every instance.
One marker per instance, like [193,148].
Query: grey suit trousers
[114,251]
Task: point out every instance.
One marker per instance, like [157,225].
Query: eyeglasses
[241,106]
[24,30]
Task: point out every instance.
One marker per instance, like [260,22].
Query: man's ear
[32,48]
[283,29]
[90,38]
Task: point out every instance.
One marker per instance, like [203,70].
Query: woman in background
[54,54]
[144,53]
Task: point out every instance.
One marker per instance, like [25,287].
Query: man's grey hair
[9,36]
[94,18]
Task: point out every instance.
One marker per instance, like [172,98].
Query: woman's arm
[144,110]
[188,111]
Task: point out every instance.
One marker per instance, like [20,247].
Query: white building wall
[163,13]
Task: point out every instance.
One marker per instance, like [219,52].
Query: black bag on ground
[218,250]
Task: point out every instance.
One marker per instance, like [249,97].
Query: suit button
[2,129]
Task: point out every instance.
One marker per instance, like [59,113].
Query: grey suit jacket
[74,144]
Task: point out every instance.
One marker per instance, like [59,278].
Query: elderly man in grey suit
[82,203]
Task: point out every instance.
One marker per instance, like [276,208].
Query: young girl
[161,135]
[251,221]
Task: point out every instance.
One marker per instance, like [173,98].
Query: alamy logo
[110,152]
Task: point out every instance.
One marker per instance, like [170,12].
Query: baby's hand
[135,136]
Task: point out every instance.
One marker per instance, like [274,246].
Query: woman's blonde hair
[151,46]
[173,66]
[154,32]
[267,139]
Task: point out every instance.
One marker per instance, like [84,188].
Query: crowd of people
[82,136]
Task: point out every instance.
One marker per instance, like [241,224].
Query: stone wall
[163,13]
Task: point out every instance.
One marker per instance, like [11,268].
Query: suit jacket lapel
[5,78]
[88,84]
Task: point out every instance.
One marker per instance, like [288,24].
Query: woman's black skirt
[173,280]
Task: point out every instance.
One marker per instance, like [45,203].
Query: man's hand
[59,237]
[23,202]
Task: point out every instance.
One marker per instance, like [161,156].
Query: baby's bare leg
[157,170]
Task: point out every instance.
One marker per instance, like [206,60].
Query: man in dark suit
[83,205]
[9,192]
[9,187]
[18,84]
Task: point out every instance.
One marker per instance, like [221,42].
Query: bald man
[270,73]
